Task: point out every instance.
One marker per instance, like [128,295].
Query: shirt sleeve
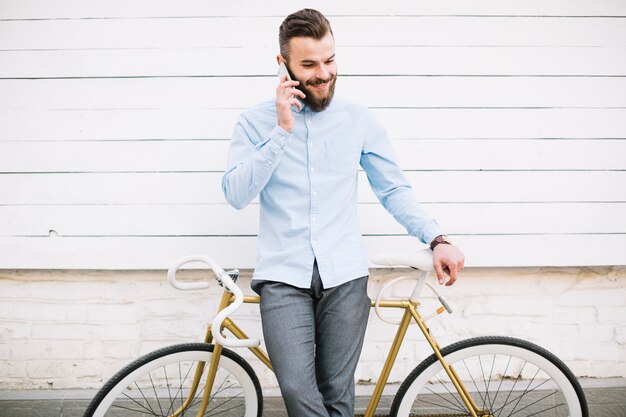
[391,186]
[251,161]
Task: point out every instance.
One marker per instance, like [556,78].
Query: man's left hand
[448,259]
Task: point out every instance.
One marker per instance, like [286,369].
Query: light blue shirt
[307,183]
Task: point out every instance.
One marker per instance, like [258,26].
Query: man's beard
[314,102]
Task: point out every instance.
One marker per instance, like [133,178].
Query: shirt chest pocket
[341,158]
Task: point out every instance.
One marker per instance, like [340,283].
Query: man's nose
[323,72]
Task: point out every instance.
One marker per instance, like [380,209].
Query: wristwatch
[441,239]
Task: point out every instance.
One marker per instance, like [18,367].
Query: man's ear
[279,59]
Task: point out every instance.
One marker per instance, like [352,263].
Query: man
[300,153]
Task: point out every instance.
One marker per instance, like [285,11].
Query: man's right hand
[286,96]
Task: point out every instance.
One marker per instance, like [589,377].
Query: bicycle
[479,377]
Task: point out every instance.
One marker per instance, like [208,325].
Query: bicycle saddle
[421,259]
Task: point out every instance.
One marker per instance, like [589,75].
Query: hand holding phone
[286,96]
[282,71]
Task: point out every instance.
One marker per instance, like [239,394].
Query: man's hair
[306,22]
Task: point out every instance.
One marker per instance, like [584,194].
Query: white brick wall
[74,329]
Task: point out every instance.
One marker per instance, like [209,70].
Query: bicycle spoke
[482,370]
[156,396]
[200,395]
[220,389]
[473,381]
[134,409]
[520,396]
[501,380]
[169,392]
[461,405]
[225,402]
[148,410]
[493,364]
[546,409]
[519,375]
[452,407]
[180,389]
[228,409]
[145,399]
[525,392]
[440,405]
[533,403]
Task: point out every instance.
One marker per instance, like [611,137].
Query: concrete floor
[606,398]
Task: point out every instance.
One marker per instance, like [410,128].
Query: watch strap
[441,239]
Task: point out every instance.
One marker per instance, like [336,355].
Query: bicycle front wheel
[504,377]
[161,384]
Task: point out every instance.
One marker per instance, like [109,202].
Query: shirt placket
[313,175]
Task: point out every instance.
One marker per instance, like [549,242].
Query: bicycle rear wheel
[160,384]
[504,376]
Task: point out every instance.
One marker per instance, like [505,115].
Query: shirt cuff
[431,231]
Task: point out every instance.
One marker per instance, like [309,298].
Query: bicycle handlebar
[422,260]
[187,286]
[224,279]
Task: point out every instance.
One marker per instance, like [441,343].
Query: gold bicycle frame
[410,312]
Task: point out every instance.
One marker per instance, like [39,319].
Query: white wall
[75,329]
[509,117]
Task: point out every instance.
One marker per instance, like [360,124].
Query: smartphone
[282,70]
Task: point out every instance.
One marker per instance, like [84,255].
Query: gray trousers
[314,338]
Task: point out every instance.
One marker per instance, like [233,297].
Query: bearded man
[300,152]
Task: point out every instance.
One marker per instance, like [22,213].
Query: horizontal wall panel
[223,220]
[433,154]
[87,125]
[114,156]
[122,124]
[349,31]
[203,188]
[211,155]
[507,218]
[76,9]
[242,92]
[536,61]
[504,123]
[161,253]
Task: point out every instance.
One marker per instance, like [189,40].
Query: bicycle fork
[226,300]
[200,369]
[410,312]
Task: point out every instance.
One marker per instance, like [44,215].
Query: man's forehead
[304,48]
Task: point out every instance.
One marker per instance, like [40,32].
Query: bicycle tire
[144,387]
[505,377]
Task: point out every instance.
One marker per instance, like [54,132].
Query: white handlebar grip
[221,316]
[171,273]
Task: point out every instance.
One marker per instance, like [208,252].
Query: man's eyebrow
[311,61]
